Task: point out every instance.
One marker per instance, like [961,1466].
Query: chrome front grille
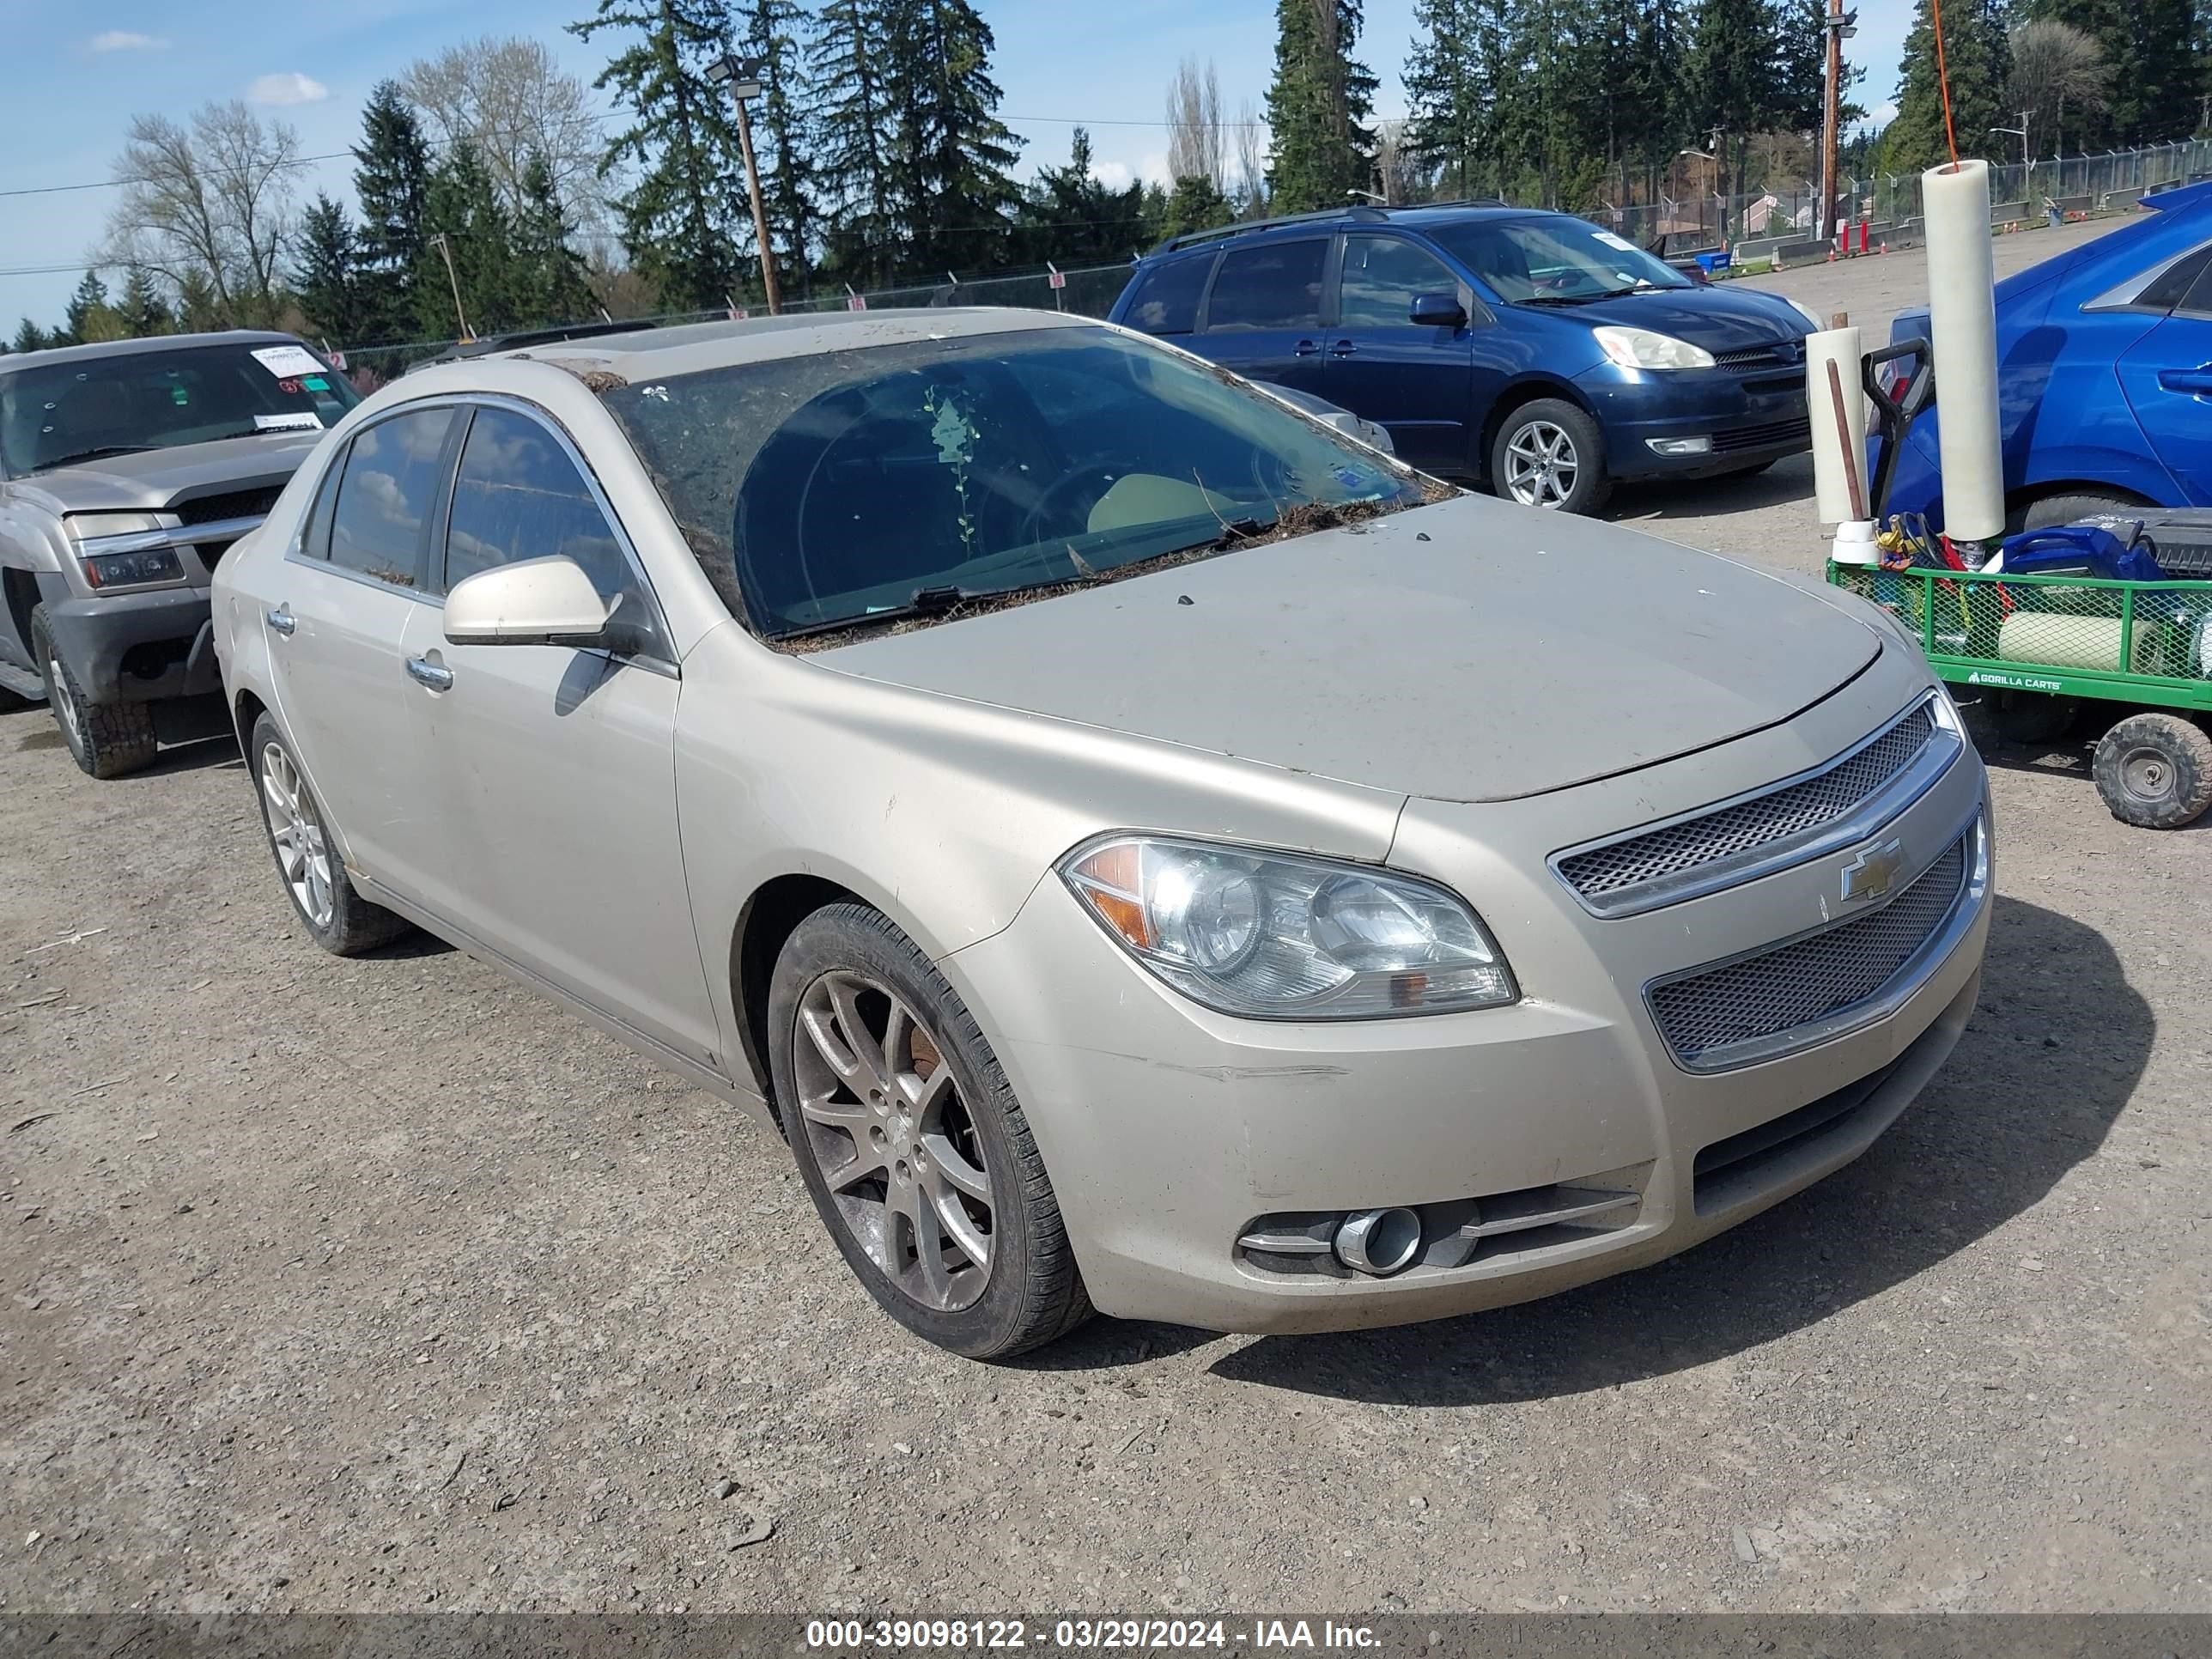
[1733,841]
[1766,1003]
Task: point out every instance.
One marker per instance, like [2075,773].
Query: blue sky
[79,70]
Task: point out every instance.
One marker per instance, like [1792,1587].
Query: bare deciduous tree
[1195,143]
[2056,70]
[510,100]
[1251,161]
[208,206]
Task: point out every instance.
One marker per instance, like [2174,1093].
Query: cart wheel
[2155,771]
[2027,717]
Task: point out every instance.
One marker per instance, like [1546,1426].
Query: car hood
[154,480]
[1471,651]
[1714,318]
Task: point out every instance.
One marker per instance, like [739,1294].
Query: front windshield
[828,489]
[53,413]
[1555,259]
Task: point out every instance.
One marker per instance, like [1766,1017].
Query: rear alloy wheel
[2155,771]
[911,1142]
[106,741]
[1549,453]
[341,920]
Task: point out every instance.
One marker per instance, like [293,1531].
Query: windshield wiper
[925,601]
[99,452]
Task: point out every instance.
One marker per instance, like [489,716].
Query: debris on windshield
[598,380]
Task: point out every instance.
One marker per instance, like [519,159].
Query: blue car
[2103,376]
[1532,351]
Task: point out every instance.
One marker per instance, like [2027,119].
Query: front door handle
[423,671]
[2198,382]
[282,621]
[1306,348]
[1343,348]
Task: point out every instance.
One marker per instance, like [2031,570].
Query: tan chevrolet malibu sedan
[1144,850]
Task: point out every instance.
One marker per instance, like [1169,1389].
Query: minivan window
[54,414]
[391,480]
[1166,299]
[824,490]
[1381,275]
[1276,285]
[1555,259]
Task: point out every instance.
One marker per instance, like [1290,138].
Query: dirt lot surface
[382,1285]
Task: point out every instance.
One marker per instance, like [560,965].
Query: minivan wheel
[339,919]
[910,1138]
[1549,453]
[106,741]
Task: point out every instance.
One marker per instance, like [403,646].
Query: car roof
[100,348]
[1426,216]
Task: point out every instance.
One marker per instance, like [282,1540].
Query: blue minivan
[1536,352]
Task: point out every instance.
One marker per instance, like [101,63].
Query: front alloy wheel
[1541,465]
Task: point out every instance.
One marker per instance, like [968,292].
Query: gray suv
[126,470]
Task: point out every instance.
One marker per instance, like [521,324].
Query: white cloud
[1154,168]
[1115,175]
[126,40]
[291,87]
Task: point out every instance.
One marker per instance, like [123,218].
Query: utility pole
[460,316]
[742,76]
[1840,27]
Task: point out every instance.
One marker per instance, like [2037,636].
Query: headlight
[1640,348]
[1811,321]
[155,564]
[1274,936]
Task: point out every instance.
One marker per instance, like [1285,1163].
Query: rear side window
[1274,286]
[1381,275]
[1166,299]
[391,480]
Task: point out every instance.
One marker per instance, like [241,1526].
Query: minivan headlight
[1642,348]
[1277,936]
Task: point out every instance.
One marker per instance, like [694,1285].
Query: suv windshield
[843,487]
[1555,259]
[53,413]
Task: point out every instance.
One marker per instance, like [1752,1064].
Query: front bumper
[1749,418]
[1173,1134]
[138,648]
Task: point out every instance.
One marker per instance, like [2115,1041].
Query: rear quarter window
[1165,300]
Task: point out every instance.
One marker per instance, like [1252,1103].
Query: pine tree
[2157,79]
[854,118]
[1072,219]
[392,178]
[82,315]
[462,209]
[29,337]
[1736,79]
[1317,105]
[144,311]
[1452,95]
[681,219]
[1977,60]
[549,286]
[323,276]
[955,151]
[776,37]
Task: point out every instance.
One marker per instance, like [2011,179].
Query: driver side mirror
[535,602]
[1438,311]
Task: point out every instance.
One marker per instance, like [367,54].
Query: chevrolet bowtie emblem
[1874,873]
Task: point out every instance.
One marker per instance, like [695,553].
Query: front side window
[1555,259]
[385,496]
[1274,286]
[1382,276]
[60,413]
[517,496]
[832,489]
[1166,299]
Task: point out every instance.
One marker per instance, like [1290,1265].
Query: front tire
[2155,771]
[106,740]
[336,916]
[1549,453]
[2065,509]
[912,1144]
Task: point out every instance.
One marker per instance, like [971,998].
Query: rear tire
[1549,453]
[931,1184]
[2155,771]
[2065,509]
[106,741]
[323,897]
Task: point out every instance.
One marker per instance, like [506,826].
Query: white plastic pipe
[1836,449]
[1962,322]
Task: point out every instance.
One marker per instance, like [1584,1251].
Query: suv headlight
[1640,348]
[1277,936]
[140,569]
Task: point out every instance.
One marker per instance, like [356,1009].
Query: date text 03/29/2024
[1084,1634]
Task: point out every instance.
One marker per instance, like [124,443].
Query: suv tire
[1549,453]
[918,1145]
[105,740]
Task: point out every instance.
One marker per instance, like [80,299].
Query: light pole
[460,316]
[742,76]
[1367,196]
[2021,133]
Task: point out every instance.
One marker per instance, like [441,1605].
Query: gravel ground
[380,1284]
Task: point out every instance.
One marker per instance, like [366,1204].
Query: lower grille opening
[1764,436]
[1457,1232]
[154,658]
[1730,1171]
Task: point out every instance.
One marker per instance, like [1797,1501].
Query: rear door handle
[1343,348]
[423,671]
[2198,382]
[1306,348]
[282,621]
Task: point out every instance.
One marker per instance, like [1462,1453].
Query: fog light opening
[1700,445]
[1379,1242]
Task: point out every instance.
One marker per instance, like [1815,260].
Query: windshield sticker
[955,439]
[284,361]
[1353,478]
[1612,241]
[316,383]
[304,421]
[179,396]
